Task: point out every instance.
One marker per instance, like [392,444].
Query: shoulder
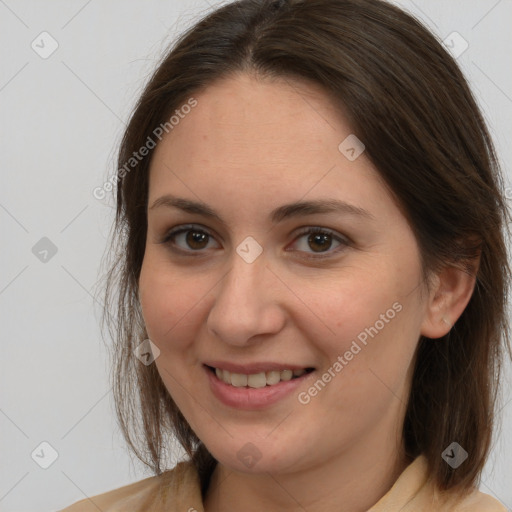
[415,491]
[474,501]
[160,492]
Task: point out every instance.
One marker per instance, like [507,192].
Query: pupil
[321,240]
[196,240]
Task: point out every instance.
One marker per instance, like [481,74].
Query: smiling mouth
[258,380]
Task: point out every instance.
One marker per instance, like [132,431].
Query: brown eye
[189,238]
[320,242]
[323,242]
[196,239]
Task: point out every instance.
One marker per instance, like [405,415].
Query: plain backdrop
[62,115]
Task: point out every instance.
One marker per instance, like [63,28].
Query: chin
[253,457]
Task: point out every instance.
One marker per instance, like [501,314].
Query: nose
[246,304]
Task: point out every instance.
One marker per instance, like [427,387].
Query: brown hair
[407,100]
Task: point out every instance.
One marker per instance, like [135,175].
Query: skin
[249,146]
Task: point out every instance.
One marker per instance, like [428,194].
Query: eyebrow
[286,211]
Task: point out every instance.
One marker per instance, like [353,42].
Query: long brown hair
[406,98]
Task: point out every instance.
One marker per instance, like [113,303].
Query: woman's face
[242,284]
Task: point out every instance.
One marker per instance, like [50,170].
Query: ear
[450,293]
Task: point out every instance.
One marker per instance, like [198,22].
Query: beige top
[179,490]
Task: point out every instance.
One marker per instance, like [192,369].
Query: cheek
[351,302]
[370,319]
[168,302]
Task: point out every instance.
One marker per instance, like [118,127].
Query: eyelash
[169,237]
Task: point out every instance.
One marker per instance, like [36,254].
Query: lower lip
[252,398]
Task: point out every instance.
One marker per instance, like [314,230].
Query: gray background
[61,119]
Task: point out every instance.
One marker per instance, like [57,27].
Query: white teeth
[238,380]
[273,377]
[257,380]
[286,375]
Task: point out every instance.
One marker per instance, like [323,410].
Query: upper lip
[256,367]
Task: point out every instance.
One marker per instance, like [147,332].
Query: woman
[311,272]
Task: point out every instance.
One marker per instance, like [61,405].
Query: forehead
[260,128]
[253,145]
[249,100]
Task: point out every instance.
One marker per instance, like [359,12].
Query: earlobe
[449,324]
[447,301]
